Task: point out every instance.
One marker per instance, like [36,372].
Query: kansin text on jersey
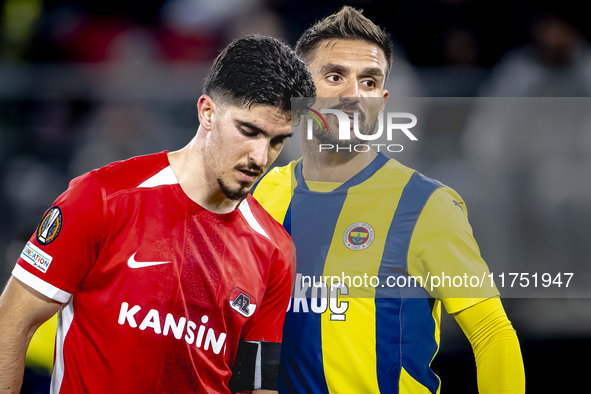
[178,327]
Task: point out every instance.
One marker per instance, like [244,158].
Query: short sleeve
[445,254]
[65,245]
[267,323]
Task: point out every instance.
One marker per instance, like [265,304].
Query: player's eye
[248,132]
[370,83]
[334,78]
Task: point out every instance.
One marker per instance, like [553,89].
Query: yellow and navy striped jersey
[386,223]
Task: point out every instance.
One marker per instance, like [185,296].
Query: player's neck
[333,166]
[187,165]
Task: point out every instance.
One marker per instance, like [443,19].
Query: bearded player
[162,266]
[360,213]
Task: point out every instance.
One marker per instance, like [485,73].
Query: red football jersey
[156,290]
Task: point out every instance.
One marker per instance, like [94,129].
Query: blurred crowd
[85,83]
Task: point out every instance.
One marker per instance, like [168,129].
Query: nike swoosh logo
[136,264]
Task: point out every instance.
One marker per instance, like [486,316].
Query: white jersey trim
[164,177]
[250,219]
[64,321]
[40,285]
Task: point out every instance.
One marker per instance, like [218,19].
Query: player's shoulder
[272,230]
[391,173]
[444,204]
[440,196]
[445,195]
[128,174]
[394,166]
[445,198]
[273,191]
[277,178]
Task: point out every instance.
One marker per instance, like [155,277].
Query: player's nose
[259,152]
[350,89]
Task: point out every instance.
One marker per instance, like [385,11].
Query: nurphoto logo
[364,129]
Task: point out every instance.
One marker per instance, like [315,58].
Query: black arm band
[256,366]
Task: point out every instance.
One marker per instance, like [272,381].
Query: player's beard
[238,194]
[367,125]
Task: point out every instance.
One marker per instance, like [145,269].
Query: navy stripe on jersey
[287,219]
[363,175]
[407,307]
[305,344]
[302,371]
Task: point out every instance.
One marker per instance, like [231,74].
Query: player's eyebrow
[260,130]
[373,71]
[334,68]
[337,68]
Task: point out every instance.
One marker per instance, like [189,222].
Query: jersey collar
[358,178]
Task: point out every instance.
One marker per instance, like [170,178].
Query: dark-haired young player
[359,214]
[161,265]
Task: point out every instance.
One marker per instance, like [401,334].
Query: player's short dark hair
[258,70]
[347,24]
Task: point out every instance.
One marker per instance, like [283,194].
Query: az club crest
[242,302]
[358,236]
[50,226]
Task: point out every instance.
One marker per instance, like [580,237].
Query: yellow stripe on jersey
[351,366]
[322,187]
[349,355]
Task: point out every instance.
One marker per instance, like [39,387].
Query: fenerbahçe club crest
[358,236]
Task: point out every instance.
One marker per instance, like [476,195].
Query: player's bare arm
[22,311]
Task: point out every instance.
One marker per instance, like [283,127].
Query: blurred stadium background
[84,83]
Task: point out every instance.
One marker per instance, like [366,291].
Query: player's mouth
[350,110]
[351,116]
[248,174]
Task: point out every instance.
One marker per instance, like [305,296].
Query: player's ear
[207,112]
[385,96]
